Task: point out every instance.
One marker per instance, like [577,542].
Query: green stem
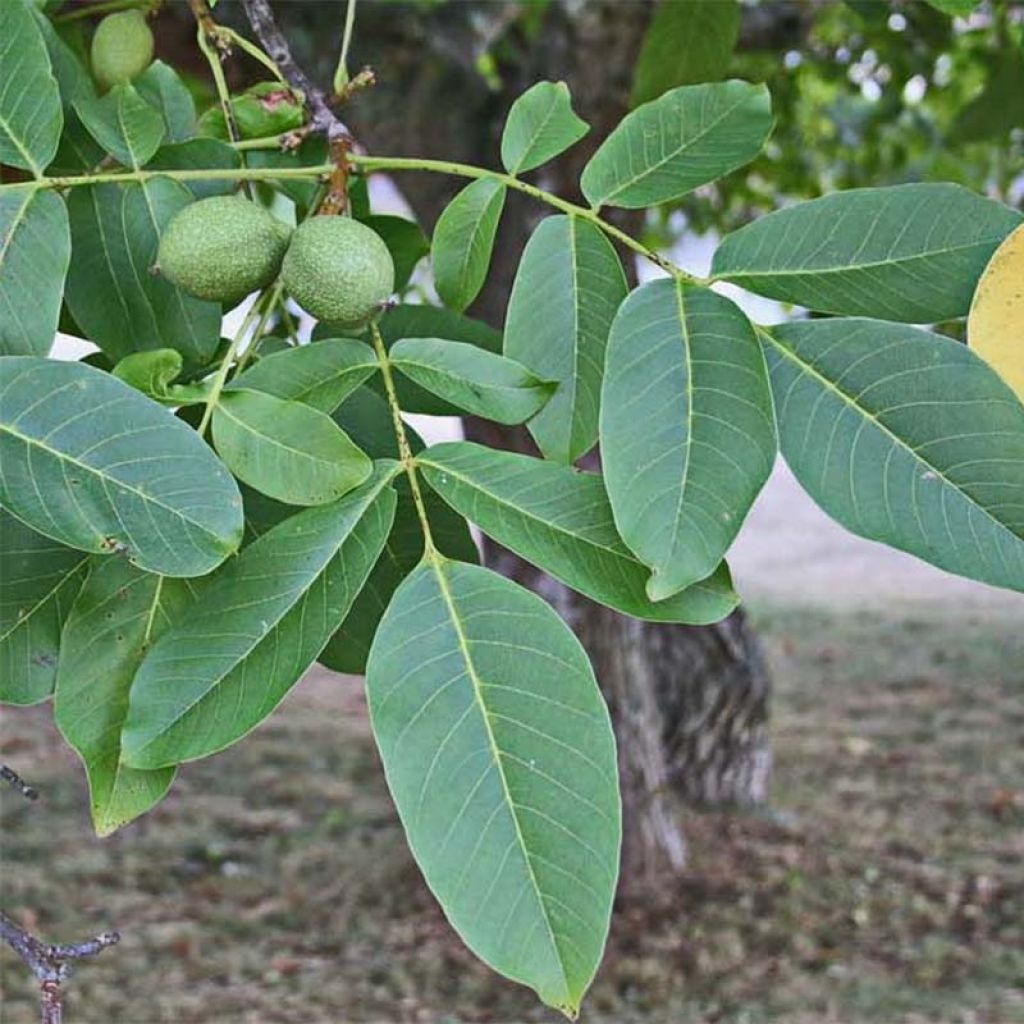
[252,50]
[341,72]
[107,7]
[377,163]
[224,369]
[275,298]
[404,451]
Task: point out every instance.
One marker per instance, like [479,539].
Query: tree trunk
[690,705]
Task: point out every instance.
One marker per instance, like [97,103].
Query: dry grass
[273,885]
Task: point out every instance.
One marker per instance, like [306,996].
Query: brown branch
[324,120]
[51,964]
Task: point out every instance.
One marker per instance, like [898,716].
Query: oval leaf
[35,249]
[474,381]
[30,111]
[687,432]
[540,125]
[38,584]
[567,288]
[257,627]
[685,43]
[118,614]
[124,124]
[500,757]
[92,463]
[688,137]
[463,242]
[560,520]
[995,327]
[286,450]
[320,375]
[111,291]
[907,438]
[909,252]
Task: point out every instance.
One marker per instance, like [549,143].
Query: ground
[882,886]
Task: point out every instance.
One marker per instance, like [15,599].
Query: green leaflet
[540,125]
[73,80]
[154,372]
[90,462]
[162,88]
[34,260]
[472,379]
[687,433]
[367,419]
[567,288]
[286,450]
[672,145]
[463,241]
[111,292]
[686,43]
[38,582]
[118,614]
[197,154]
[405,241]
[321,375]
[217,674]
[30,110]
[124,124]
[500,757]
[906,438]
[908,252]
[560,520]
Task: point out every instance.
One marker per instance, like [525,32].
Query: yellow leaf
[995,326]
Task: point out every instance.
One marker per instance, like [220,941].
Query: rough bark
[690,704]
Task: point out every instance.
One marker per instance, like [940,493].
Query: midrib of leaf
[684,332]
[437,564]
[845,268]
[18,218]
[897,442]
[683,147]
[576,299]
[22,619]
[106,478]
[300,452]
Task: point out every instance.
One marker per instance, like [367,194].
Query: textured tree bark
[690,705]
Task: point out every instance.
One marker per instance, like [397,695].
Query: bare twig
[324,120]
[10,776]
[51,964]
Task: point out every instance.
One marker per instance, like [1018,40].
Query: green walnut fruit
[338,269]
[222,248]
[122,48]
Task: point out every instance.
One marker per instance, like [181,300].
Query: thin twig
[324,120]
[9,775]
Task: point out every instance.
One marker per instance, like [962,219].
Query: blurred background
[825,794]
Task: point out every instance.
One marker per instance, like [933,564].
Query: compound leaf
[38,583]
[567,288]
[93,464]
[473,380]
[30,109]
[560,520]
[321,375]
[500,757]
[906,438]
[34,257]
[911,253]
[540,125]
[463,241]
[686,138]
[118,614]
[687,432]
[256,628]
[286,450]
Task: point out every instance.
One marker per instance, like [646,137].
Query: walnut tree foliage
[189,523]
